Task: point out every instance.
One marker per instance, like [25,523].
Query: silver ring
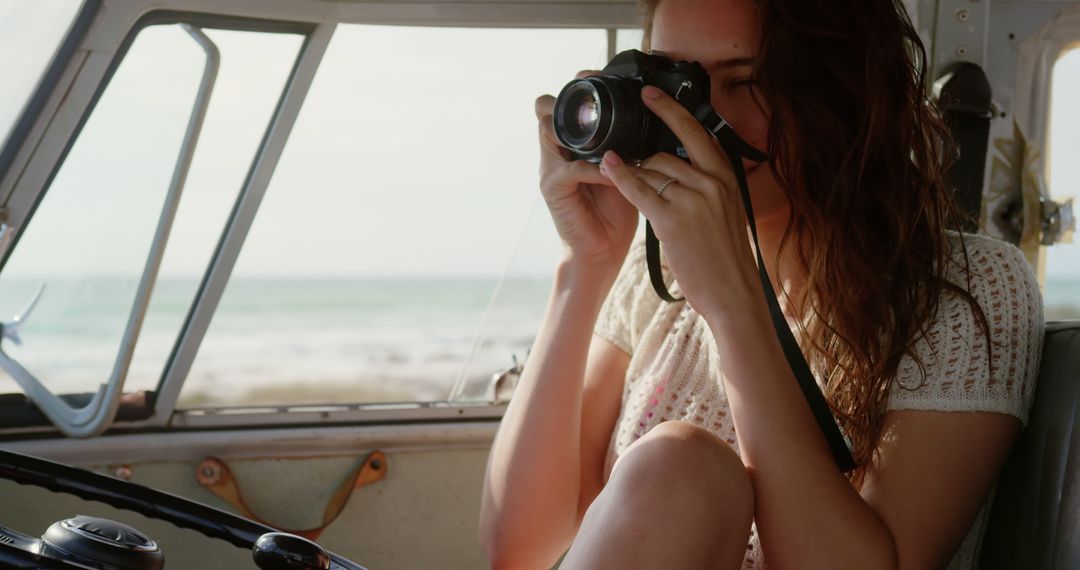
[668,182]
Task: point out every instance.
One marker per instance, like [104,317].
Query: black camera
[605,112]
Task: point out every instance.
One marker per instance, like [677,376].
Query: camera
[605,112]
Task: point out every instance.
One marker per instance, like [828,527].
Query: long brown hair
[861,154]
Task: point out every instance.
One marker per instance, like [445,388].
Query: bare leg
[679,497]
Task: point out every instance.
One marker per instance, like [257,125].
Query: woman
[675,436]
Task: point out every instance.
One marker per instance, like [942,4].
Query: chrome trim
[148,546]
[209,418]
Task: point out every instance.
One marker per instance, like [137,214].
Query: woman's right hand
[595,222]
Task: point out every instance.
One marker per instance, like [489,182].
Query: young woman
[647,434]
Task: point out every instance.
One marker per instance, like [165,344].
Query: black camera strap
[736,149]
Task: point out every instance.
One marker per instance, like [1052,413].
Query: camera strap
[736,149]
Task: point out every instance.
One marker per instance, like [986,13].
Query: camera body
[605,112]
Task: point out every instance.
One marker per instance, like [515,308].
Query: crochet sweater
[675,373]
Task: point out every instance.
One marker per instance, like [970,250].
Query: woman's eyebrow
[723,64]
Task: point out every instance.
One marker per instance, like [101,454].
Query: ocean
[282,341]
[1061,299]
[304,341]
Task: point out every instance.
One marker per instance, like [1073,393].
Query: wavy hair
[862,155]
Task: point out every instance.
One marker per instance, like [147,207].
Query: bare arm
[535,487]
[932,473]
[928,488]
[535,484]
[604,377]
[807,513]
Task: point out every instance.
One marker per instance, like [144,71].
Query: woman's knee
[678,457]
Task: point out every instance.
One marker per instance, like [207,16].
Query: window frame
[159,403]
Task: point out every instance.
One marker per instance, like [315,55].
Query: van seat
[1035,521]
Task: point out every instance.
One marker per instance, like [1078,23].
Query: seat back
[1035,521]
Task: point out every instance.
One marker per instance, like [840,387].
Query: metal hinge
[1057,221]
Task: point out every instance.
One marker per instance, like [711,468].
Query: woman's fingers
[549,143]
[556,167]
[667,188]
[586,73]
[547,135]
[545,105]
[563,179]
[584,173]
[700,144]
[670,166]
[668,191]
[635,190]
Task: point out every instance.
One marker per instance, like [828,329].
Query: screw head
[208,473]
[962,15]
[961,50]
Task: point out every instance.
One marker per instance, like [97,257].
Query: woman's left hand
[699,217]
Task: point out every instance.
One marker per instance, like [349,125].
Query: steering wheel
[271,549]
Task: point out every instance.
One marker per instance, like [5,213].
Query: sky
[407,159]
[1063,157]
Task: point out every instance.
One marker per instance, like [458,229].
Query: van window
[1062,295]
[89,239]
[407,188]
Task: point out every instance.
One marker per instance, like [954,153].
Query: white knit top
[675,373]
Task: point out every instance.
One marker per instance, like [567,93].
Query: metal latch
[503,383]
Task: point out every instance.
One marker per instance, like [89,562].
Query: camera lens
[601,113]
[580,114]
[588,116]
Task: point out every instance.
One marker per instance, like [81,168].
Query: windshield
[30,34]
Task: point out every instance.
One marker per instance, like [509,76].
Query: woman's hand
[698,217]
[595,222]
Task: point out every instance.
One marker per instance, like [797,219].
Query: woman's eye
[739,83]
